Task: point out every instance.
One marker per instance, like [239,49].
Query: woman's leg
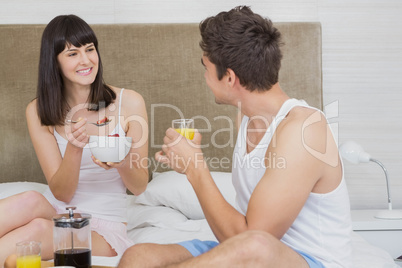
[26,216]
[20,209]
[36,230]
[100,247]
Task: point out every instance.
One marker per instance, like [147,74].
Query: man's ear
[231,77]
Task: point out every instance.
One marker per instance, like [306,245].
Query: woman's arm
[61,173]
[134,168]
[135,171]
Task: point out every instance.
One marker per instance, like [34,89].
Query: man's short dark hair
[246,43]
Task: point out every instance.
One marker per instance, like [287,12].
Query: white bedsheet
[163,225]
[156,230]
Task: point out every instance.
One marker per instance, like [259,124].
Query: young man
[293,214]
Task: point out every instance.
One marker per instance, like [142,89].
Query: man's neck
[262,107]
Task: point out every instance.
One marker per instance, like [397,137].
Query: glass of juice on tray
[28,254]
[185,127]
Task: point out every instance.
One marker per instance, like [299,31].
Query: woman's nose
[84,58]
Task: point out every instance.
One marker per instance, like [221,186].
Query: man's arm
[282,191]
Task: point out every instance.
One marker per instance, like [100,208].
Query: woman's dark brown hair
[51,104]
[246,43]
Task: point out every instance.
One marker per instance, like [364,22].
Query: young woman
[71,87]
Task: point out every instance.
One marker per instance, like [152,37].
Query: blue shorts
[311,261]
[197,247]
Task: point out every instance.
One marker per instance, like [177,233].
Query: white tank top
[100,192]
[323,227]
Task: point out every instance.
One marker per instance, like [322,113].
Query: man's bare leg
[249,249]
[153,255]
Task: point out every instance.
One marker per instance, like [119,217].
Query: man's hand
[179,153]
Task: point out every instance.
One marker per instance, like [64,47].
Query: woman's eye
[72,54]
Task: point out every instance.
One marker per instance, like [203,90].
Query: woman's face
[78,65]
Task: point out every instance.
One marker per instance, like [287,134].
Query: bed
[168,212]
[161,62]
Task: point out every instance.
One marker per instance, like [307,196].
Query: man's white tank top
[323,227]
[100,192]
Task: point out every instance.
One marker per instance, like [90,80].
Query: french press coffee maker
[72,239]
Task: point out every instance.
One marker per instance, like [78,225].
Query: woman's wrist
[72,148]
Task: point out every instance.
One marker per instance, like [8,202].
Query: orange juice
[30,261]
[186,132]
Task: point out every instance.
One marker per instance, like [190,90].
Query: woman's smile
[84,72]
[79,65]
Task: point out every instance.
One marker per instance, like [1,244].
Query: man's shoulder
[301,117]
[303,127]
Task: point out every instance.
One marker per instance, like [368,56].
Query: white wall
[362,65]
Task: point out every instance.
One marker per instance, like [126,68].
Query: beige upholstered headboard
[160,61]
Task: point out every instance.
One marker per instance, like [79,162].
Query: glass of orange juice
[28,254]
[185,127]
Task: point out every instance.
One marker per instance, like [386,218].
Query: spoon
[99,123]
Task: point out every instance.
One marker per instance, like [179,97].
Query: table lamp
[354,153]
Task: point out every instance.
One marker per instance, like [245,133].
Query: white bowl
[109,149]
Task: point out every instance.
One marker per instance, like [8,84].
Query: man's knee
[153,255]
[139,255]
[257,245]
[136,250]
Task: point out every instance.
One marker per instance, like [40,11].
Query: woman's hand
[77,133]
[108,165]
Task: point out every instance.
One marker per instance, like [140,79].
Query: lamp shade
[353,152]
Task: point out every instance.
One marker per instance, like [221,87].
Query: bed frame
[161,62]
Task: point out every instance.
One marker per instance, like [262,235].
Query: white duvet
[168,212]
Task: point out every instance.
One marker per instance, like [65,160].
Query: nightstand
[385,234]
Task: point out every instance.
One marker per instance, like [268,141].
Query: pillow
[140,216]
[173,190]
[11,188]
